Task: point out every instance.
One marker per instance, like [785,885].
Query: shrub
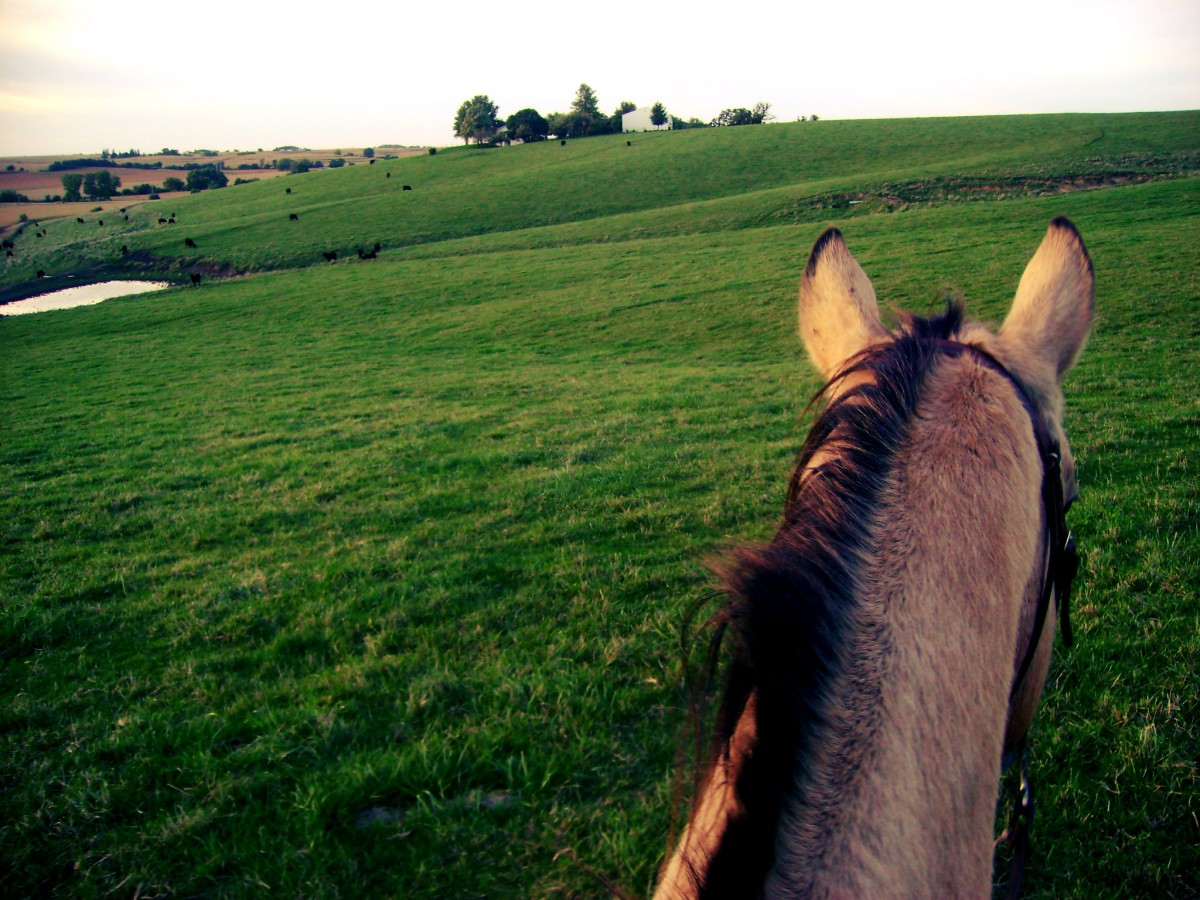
[10,196]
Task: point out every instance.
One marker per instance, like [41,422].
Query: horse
[888,647]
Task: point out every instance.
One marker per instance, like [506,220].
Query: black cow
[41,273]
[188,242]
[196,276]
[362,255]
[293,217]
[407,187]
[330,255]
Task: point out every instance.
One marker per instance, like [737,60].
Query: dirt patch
[893,197]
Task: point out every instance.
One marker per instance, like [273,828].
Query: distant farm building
[639,120]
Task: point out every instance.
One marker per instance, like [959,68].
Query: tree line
[478,119]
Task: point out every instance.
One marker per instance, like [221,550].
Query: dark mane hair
[789,611]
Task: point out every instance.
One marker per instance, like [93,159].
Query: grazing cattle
[389,175]
[372,162]
[188,242]
[162,221]
[362,255]
[8,253]
[8,245]
[407,187]
[100,222]
[629,143]
[79,220]
[41,273]
[330,255]
[889,645]
[195,276]
[124,249]
[122,209]
[378,246]
[289,190]
[562,143]
[293,217]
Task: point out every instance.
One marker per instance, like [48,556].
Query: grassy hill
[366,579]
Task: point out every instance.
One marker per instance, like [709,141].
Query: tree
[658,115]
[761,113]
[527,125]
[206,177]
[585,102]
[476,118]
[72,183]
[587,116]
[369,152]
[560,124]
[100,185]
[173,184]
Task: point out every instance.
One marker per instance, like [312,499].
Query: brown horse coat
[875,638]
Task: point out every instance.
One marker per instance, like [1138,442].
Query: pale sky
[77,76]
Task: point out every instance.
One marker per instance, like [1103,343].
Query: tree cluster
[478,120]
[741,116]
[97,185]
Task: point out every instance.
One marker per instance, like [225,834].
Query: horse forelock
[790,611]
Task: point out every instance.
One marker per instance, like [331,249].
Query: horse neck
[894,779]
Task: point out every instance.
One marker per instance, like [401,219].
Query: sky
[79,76]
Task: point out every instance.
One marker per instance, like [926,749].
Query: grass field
[366,579]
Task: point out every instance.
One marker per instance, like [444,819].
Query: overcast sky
[81,75]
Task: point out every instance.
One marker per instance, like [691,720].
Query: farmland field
[366,579]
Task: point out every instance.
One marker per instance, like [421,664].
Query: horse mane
[789,609]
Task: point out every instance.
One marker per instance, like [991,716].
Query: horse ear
[1052,312]
[839,315]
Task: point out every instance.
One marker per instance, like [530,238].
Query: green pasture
[366,579]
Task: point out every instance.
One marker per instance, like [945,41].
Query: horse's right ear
[1052,312]
[839,315]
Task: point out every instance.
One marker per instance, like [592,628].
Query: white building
[639,120]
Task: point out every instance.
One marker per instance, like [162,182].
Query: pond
[84,295]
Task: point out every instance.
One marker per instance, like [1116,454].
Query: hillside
[667,183]
[367,579]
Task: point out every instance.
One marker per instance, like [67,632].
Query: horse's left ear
[839,315]
[1052,313]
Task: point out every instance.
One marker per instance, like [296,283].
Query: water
[84,295]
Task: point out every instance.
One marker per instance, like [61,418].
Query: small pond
[84,295]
